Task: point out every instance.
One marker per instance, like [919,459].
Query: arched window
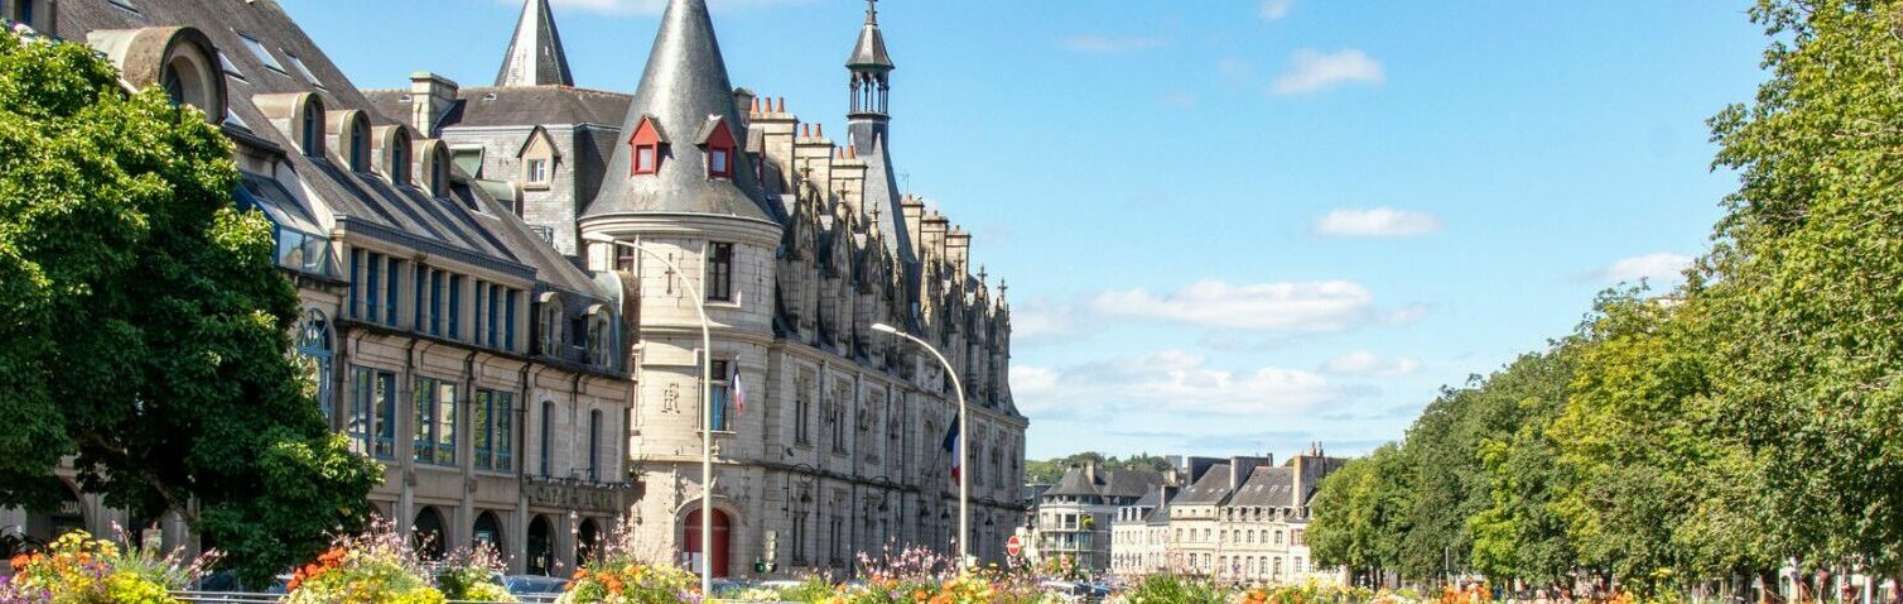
[311,127]
[548,330]
[427,534]
[400,164]
[359,143]
[314,348]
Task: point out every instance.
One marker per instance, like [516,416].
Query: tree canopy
[146,330]
[1744,419]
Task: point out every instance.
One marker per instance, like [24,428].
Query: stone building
[1074,517]
[488,372]
[1240,519]
[799,244]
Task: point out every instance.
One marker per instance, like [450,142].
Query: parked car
[533,585]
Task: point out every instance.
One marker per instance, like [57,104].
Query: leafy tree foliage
[1049,471]
[147,326]
[1360,513]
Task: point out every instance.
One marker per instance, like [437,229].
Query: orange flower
[920,596]
[20,561]
[579,574]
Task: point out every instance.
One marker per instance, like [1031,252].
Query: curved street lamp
[964,451]
[706,409]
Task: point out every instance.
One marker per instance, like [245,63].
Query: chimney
[914,211]
[431,96]
[744,100]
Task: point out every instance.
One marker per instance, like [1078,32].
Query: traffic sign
[1014,545]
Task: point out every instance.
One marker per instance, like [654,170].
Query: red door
[690,541]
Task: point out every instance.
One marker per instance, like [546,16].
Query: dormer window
[359,143]
[645,147]
[717,141]
[311,126]
[433,168]
[538,157]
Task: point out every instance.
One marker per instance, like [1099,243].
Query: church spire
[871,67]
[535,56]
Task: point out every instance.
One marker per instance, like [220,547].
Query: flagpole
[964,451]
[706,409]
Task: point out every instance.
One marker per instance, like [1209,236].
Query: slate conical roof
[870,51]
[684,90]
[535,56]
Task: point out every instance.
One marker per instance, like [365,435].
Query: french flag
[739,391]
[951,446]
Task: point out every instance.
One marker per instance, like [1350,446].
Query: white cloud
[1658,267]
[1286,306]
[1102,44]
[1272,10]
[1167,380]
[655,7]
[1365,363]
[1314,71]
[1377,222]
[1041,320]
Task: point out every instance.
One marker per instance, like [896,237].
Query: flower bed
[377,567]
[78,569]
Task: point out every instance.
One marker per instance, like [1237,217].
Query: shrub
[78,569]
[376,567]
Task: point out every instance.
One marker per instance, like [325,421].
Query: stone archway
[587,541]
[488,529]
[540,546]
[67,515]
[427,534]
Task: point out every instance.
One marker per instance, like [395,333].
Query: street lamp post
[964,451]
[706,410]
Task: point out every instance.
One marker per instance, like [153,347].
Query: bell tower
[871,70]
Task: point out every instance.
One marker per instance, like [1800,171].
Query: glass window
[508,320]
[356,265]
[418,302]
[718,163]
[391,287]
[455,306]
[360,145]
[372,423]
[594,446]
[435,302]
[435,438]
[263,54]
[374,286]
[721,387]
[312,144]
[719,272]
[400,161]
[314,351]
[304,70]
[495,315]
[538,171]
[492,425]
[644,159]
[548,434]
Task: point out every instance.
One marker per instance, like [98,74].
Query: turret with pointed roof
[535,56]
[684,101]
[869,125]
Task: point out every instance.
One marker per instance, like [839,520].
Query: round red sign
[1013,546]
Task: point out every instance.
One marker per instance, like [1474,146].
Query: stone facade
[1075,516]
[1241,520]
[799,244]
[443,334]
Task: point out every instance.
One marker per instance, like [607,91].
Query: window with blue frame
[721,394]
[492,427]
[372,423]
[436,303]
[508,321]
[455,306]
[299,247]
[594,446]
[495,315]
[314,349]
[356,269]
[390,291]
[434,440]
[418,302]
[373,288]
[482,289]
[547,440]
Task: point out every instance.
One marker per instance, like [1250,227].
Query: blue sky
[1229,226]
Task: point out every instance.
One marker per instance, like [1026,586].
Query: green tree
[1808,287]
[147,326]
[1518,535]
[1360,513]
